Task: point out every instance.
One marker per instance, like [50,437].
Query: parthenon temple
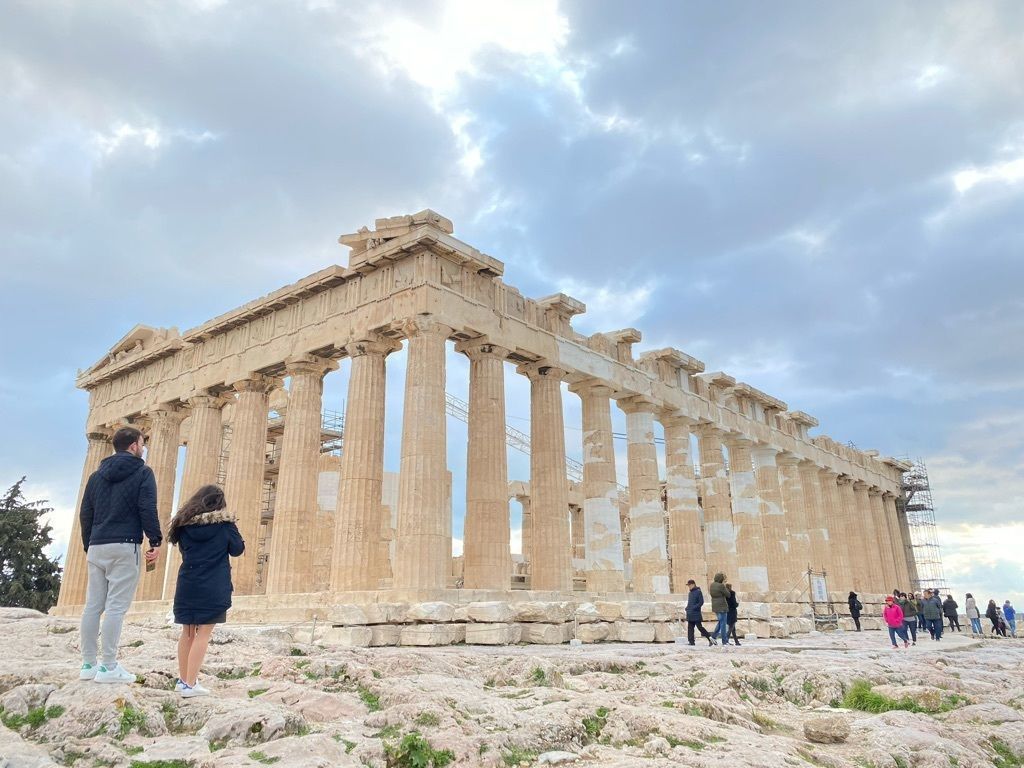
[746,489]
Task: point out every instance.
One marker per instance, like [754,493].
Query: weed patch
[369,698]
[414,751]
[261,757]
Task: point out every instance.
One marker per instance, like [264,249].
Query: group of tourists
[905,614]
[723,603]
[118,507]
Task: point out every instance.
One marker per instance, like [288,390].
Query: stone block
[431,613]
[664,611]
[634,632]
[545,634]
[668,631]
[495,612]
[349,637]
[386,613]
[798,625]
[596,632]
[492,634]
[547,613]
[777,628]
[347,614]
[432,634]
[608,611]
[826,729]
[587,613]
[754,611]
[635,610]
[385,634]
[785,610]
[460,613]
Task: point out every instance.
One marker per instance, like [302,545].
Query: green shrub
[1005,757]
[414,751]
[369,698]
[513,756]
[427,719]
[595,723]
[132,719]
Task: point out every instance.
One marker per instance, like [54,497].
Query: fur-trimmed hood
[209,518]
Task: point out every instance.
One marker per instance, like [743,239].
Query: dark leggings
[912,627]
[732,633]
[954,623]
[856,622]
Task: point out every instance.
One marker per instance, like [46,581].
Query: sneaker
[906,644]
[117,674]
[895,646]
[87,672]
[191,691]
[180,686]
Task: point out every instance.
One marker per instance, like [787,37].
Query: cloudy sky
[824,200]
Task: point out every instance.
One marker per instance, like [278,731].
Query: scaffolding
[924,538]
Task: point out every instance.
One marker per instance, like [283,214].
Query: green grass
[515,755]
[33,718]
[298,652]
[252,694]
[369,698]
[861,697]
[693,744]
[595,723]
[231,674]
[1005,757]
[349,745]
[427,719]
[388,732]
[135,644]
[261,757]
[132,719]
[133,750]
[808,687]
[538,676]
[414,751]
[159,764]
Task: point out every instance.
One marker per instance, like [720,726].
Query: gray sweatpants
[113,576]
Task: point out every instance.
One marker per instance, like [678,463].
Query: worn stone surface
[826,729]
[756,706]
[492,634]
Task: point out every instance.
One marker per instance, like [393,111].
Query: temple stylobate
[747,491]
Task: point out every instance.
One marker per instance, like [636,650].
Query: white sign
[819,590]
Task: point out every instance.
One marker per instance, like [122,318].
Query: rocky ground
[794,702]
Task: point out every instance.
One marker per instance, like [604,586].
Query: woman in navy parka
[206,534]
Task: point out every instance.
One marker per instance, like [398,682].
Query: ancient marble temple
[759,499]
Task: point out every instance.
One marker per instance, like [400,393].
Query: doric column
[820,557]
[603,532]
[685,542]
[162,457]
[243,483]
[798,550]
[202,459]
[865,533]
[551,567]
[290,565]
[852,536]
[647,541]
[719,533]
[357,558]
[423,539]
[902,564]
[76,572]
[889,575]
[840,578]
[487,562]
[751,558]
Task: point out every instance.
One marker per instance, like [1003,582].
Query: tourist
[992,614]
[855,609]
[949,608]
[206,534]
[1010,614]
[734,605]
[918,599]
[694,619]
[893,616]
[932,608]
[118,505]
[971,609]
[720,605]
[909,608]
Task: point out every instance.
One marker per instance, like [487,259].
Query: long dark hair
[209,498]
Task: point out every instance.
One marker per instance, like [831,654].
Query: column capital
[638,404]
[203,398]
[481,347]
[165,412]
[888,495]
[595,387]
[765,455]
[708,428]
[786,459]
[98,435]
[740,441]
[825,472]
[859,485]
[673,418]
[372,345]
[309,364]
[541,370]
[843,479]
[874,490]
[256,382]
[424,325]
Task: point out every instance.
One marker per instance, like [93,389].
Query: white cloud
[1006,172]
[609,307]
[151,137]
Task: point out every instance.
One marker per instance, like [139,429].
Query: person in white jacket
[971,608]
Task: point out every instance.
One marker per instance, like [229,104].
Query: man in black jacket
[694,603]
[118,505]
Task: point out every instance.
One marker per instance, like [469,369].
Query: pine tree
[28,578]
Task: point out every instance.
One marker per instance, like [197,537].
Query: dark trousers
[690,625]
[856,621]
[935,628]
[911,626]
[732,632]
[954,623]
[921,623]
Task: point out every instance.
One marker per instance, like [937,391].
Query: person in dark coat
[992,614]
[206,534]
[694,620]
[855,609]
[733,613]
[720,605]
[949,609]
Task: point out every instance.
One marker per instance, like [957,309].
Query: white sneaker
[87,672]
[180,686]
[116,675]
[191,691]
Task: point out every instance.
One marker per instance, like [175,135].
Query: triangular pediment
[140,341]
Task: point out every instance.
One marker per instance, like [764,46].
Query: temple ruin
[331,535]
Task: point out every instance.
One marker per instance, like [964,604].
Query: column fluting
[685,539]
[648,547]
[719,532]
[797,554]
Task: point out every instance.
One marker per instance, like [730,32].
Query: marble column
[686,542]
[908,545]
[423,539]
[820,557]
[602,530]
[487,561]
[162,457]
[719,533]
[868,541]
[902,569]
[648,547]
[551,568]
[358,560]
[76,570]
[840,577]
[851,539]
[890,578]
[243,483]
[527,528]
[774,524]
[202,460]
[289,568]
[798,551]
[751,573]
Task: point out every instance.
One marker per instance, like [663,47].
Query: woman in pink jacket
[893,616]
